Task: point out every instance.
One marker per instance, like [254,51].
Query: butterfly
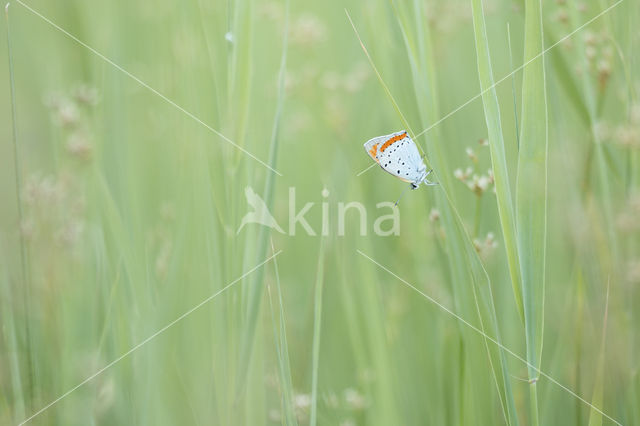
[398,155]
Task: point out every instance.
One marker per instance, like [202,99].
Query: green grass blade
[282,350]
[24,269]
[465,266]
[496,145]
[531,194]
[256,288]
[11,346]
[499,165]
[513,92]
[317,326]
[595,417]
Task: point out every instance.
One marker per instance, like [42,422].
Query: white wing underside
[399,158]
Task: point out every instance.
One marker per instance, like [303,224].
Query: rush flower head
[434,215]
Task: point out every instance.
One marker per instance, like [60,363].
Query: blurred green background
[130,209]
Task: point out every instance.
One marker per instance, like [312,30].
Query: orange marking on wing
[392,140]
[373,151]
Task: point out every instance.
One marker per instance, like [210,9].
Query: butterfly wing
[372,147]
[399,156]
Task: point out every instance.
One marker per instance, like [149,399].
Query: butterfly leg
[427,182]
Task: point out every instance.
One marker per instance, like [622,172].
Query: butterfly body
[398,155]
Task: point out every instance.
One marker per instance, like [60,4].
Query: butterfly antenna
[401,195]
